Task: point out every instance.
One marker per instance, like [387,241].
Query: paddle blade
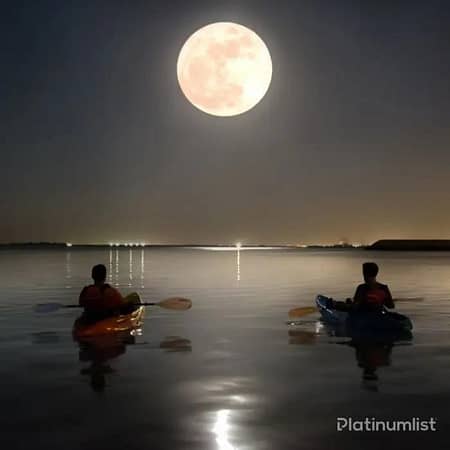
[47,307]
[302,311]
[177,303]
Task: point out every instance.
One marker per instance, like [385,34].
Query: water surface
[227,374]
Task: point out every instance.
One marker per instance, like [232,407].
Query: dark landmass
[411,245]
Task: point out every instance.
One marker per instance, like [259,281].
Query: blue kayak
[360,321]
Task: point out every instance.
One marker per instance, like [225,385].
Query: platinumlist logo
[371,424]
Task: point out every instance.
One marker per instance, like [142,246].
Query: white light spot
[221,430]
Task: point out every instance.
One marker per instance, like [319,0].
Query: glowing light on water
[142,268]
[238,264]
[68,244]
[110,264]
[117,268]
[319,327]
[68,270]
[220,429]
[131,268]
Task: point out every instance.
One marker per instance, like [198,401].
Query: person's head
[99,273]
[370,271]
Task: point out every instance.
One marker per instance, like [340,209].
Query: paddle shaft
[137,304]
[305,310]
[174,303]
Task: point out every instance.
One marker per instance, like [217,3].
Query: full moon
[224,69]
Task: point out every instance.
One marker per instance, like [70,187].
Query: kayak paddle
[302,311]
[175,303]
[411,299]
[305,310]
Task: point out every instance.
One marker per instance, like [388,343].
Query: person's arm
[388,302]
[81,298]
[359,296]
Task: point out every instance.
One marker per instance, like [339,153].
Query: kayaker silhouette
[100,299]
[370,296]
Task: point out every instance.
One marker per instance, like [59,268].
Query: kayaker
[100,298]
[372,295]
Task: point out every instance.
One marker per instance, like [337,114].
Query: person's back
[372,295]
[100,298]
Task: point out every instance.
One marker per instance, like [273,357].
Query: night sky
[99,144]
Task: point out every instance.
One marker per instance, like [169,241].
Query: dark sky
[98,143]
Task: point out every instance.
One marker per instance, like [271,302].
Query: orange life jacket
[100,298]
[376,296]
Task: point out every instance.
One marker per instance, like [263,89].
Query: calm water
[228,374]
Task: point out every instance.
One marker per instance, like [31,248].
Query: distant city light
[68,244]
[127,244]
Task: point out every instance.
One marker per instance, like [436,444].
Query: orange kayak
[84,328]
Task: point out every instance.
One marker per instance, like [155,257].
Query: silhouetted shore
[411,245]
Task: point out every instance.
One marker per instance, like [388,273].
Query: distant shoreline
[380,245]
[199,246]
